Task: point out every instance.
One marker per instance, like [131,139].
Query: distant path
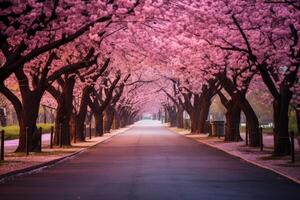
[151,162]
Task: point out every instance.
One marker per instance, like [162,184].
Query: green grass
[292,126]
[265,130]
[12,132]
[293,123]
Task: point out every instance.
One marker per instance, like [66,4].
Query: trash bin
[217,128]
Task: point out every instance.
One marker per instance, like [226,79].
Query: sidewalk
[264,159]
[11,145]
[18,163]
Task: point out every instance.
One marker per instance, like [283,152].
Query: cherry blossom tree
[30,34]
[270,43]
[182,52]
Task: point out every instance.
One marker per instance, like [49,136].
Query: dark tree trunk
[80,120]
[80,127]
[233,118]
[82,113]
[195,115]
[195,121]
[31,94]
[28,119]
[281,123]
[180,116]
[159,115]
[99,123]
[123,120]
[124,117]
[3,121]
[104,122]
[198,109]
[172,115]
[116,122]
[298,119]
[252,122]
[205,105]
[64,112]
[232,128]
[127,118]
[132,118]
[240,98]
[282,98]
[62,121]
[73,126]
[166,115]
[110,117]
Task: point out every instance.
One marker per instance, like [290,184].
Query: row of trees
[230,49]
[190,51]
[50,51]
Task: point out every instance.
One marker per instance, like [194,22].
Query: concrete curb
[242,158]
[39,167]
[36,168]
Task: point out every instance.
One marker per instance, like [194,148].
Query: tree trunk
[28,119]
[252,123]
[159,115]
[281,123]
[104,123]
[166,115]
[195,121]
[205,105]
[99,123]
[298,119]
[73,126]
[195,115]
[116,120]
[180,117]
[240,98]
[172,116]
[232,128]
[3,121]
[251,120]
[133,117]
[80,127]
[63,114]
[123,118]
[62,121]
[110,117]
[80,118]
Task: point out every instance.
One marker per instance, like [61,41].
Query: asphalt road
[150,162]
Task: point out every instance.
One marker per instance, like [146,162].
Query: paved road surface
[150,162]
